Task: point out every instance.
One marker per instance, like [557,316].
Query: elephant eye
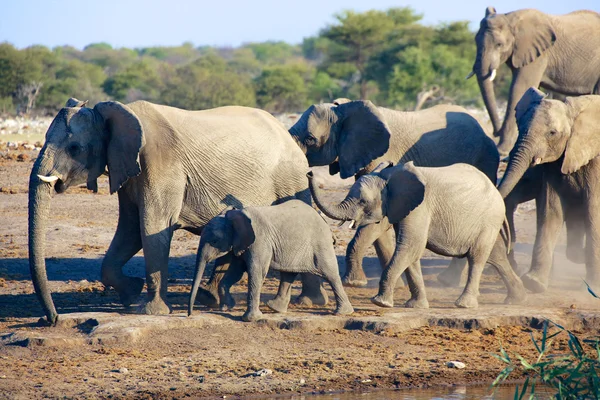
[552,132]
[74,149]
[498,45]
[310,140]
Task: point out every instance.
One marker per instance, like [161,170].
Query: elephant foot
[251,316]
[467,301]
[533,283]
[344,309]
[417,303]
[449,278]
[516,297]
[133,289]
[227,302]
[355,280]
[576,255]
[382,301]
[156,306]
[278,305]
[310,298]
[207,298]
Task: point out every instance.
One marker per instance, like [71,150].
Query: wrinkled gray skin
[453,211]
[556,52]
[353,137]
[290,237]
[564,139]
[172,169]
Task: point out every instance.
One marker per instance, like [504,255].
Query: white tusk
[537,161]
[352,223]
[48,179]
[470,75]
[492,76]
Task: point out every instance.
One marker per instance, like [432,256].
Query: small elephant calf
[290,237]
[454,211]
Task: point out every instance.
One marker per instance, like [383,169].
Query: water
[476,392]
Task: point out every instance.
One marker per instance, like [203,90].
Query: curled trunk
[39,206]
[517,166]
[342,212]
[489,98]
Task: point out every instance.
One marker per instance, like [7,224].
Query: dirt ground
[216,358]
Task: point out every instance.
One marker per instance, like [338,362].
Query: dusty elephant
[559,53]
[563,138]
[290,237]
[172,169]
[453,211]
[353,137]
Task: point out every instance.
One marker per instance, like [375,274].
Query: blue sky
[143,23]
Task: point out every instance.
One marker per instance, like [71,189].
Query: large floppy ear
[364,136]
[530,99]
[584,142]
[125,139]
[243,234]
[533,35]
[405,191]
[490,11]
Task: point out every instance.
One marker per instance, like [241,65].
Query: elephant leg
[418,298]
[593,238]
[575,222]
[332,276]
[282,300]
[456,273]
[549,224]
[156,254]
[364,237]
[234,274]
[124,245]
[384,247]
[209,296]
[257,272]
[313,292]
[499,259]
[468,298]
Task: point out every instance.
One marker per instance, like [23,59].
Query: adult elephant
[563,138]
[558,53]
[171,168]
[354,137]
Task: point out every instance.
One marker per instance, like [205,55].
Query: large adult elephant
[354,137]
[171,168]
[564,139]
[559,53]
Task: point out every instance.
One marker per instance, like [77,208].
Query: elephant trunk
[202,258]
[342,212]
[486,85]
[40,187]
[519,163]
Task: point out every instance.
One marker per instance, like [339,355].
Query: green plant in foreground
[573,375]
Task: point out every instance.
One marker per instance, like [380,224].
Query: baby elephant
[290,237]
[454,211]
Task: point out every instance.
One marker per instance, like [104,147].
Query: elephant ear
[405,191]
[364,136]
[533,35]
[341,100]
[584,142]
[73,102]
[125,139]
[490,11]
[243,234]
[530,99]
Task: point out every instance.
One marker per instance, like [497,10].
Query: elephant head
[390,193]
[80,143]
[551,129]
[518,37]
[230,231]
[347,135]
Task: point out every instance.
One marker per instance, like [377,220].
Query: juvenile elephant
[353,137]
[453,211]
[290,237]
[559,53]
[172,169]
[564,139]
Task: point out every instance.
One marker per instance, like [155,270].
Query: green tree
[138,81]
[283,88]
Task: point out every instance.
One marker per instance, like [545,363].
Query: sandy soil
[214,360]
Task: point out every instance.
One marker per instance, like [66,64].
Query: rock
[261,372]
[366,381]
[12,145]
[302,381]
[455,364]
[29,147]
[121,370]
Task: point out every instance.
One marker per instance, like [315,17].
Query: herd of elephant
[423,180]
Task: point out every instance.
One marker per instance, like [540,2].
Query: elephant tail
[506,235]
